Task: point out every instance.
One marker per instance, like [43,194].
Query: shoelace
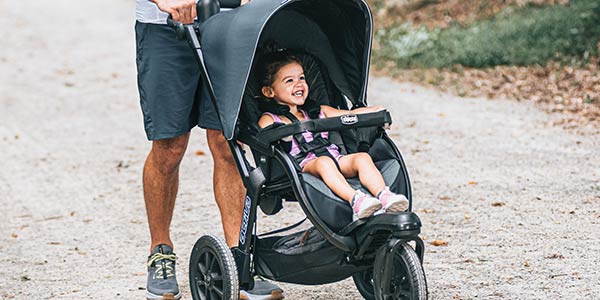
[166,264]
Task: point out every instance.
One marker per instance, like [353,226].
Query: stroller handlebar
[380,118]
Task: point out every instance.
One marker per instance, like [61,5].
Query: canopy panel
[338,32]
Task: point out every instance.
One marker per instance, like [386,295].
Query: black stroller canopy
[337,32]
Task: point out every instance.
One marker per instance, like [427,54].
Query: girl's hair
[272,59]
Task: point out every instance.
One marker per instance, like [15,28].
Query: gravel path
[516,200]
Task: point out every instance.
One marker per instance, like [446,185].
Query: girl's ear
[267,91]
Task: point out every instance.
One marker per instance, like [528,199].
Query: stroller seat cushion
[333,210]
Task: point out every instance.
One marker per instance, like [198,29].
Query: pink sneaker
[392,202]
[364,205]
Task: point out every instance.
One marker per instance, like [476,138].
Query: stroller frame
[383,240]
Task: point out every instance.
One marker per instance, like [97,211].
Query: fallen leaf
[25,278]
[439,243]
[54,243]
[554,256]
[444,198]
[526,264]
[467,217]
[122,164]
[441,115]
[72,213]
[472,182]
[200,153]
[14,235]
[498,204]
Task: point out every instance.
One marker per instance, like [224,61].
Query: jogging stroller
[383,253]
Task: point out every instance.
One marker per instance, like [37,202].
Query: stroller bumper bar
[381,118]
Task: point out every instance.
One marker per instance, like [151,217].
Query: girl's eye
[302,78]
[289,81]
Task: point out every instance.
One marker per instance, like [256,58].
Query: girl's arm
[265,120]
[334,112]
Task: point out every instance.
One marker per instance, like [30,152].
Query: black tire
[407,278]
[213,273]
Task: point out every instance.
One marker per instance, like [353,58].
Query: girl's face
[289,87]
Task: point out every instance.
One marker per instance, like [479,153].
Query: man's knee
[219,147]
[167,153]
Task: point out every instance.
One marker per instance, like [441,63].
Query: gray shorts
[169,84]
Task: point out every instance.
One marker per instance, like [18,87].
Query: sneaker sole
[275,295]
[150,296]
[368,211]
[395,207]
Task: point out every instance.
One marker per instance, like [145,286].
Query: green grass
[531,35]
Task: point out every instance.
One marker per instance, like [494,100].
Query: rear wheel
[399,275]
[213,273]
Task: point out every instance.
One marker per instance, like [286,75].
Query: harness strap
[318,145]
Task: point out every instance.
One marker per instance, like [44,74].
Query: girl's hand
[377,108]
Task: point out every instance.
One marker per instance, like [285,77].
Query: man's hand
[183,11]
[244,2]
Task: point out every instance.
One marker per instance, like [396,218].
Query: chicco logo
[349,119]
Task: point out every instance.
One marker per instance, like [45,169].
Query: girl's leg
[370,177]
[324,167]
[368,174]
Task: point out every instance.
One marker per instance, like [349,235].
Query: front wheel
[213,273]
[398,274]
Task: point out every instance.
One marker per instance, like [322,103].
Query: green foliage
[531,35]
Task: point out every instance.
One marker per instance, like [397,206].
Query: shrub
[531,35]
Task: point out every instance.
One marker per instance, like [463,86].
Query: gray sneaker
[162,283]
[263,290]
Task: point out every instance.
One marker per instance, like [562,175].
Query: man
[172,104]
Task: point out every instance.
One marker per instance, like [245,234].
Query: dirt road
[516,199]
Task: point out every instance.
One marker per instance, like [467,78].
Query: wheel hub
[208,280]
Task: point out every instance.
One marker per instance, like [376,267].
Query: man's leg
[228,187]
[161,180]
